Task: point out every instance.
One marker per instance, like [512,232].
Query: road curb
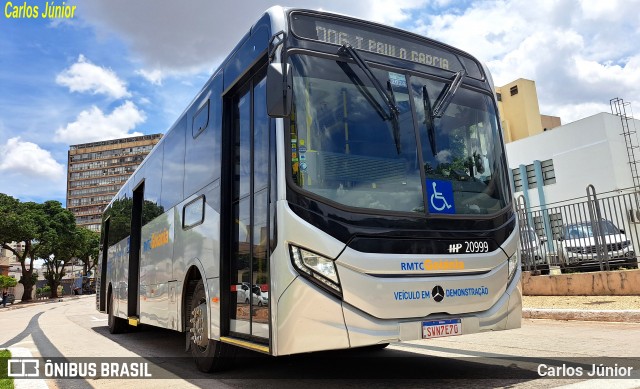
[625,316]
[43,301]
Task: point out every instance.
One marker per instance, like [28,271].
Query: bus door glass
[249,312]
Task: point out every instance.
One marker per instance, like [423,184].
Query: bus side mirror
[279,90]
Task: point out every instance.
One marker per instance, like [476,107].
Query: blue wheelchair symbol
[440,197]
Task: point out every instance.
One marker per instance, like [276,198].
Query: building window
[513,90]
[531,176]
[499,96]
[555,223]
[548,175]
[548,172]
[517,180]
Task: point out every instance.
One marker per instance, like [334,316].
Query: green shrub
[5,381]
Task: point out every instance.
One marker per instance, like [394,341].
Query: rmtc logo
[454,248]
[429,265]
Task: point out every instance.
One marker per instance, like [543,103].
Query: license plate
[441,328]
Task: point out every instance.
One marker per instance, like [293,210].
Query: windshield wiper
[446,95]
[394,121]
[441,104]
[428,120]
[348,49]
[388,99]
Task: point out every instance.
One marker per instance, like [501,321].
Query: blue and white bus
[335,184]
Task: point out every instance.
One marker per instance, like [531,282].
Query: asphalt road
[71,330]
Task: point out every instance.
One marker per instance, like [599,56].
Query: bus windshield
[348,148]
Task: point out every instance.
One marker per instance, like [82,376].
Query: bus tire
[117,325]
[214,356]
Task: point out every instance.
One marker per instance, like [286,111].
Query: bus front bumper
[315,321]
[365,330]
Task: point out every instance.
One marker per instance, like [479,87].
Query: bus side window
[152,171]
[202,158]
[173,165]
[200,120]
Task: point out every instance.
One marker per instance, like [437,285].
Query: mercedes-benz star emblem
[437,293]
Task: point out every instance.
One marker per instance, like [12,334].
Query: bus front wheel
[210,355]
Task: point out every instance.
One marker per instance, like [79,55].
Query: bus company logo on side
[430,265]
[157,239]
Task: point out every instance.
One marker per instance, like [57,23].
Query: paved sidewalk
[589,308]
[19,304]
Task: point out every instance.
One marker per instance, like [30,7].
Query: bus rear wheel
[209,355]
[117,325]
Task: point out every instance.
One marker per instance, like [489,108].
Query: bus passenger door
[248,270]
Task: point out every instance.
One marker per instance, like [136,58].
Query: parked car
[532,251]
[578,245]
[242,293]
[258,297]
[263,299]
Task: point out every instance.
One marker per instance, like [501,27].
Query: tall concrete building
[97,170]
[520,112]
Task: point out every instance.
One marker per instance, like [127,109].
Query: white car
[578,245]
[258,297]
[532,250]
[242,293]
[263,299]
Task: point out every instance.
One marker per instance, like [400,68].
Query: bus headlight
[316,268]
[513,265]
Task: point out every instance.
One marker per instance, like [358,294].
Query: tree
[58,242]
[7,282]
[20,222]
[87,248]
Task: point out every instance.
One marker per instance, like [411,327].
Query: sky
[121,68]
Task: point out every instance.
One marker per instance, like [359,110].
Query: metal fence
[596,232]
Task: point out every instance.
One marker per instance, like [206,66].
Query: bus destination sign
[383,45]
[376,41]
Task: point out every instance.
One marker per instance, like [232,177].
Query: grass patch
[5,381]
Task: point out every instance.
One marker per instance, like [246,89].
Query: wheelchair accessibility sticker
[440,197]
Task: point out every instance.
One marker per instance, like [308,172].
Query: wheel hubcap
[199,327]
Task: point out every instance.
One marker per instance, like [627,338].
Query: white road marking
[26,383]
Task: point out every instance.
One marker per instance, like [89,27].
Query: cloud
[83,76]
[157,32]
[580,53]
[93,125]
[384,11]
[153,76]
[580,110]
[21,158]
